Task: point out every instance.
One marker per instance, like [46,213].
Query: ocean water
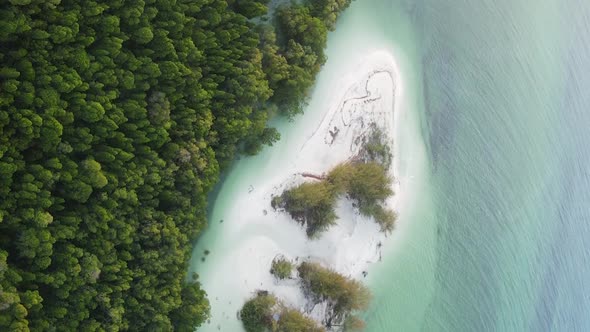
[495,148]
[501,241]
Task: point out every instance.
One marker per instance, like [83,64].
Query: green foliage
[253,145]
[116,118]
[257,313]
[281,268]
[292,65]
[353,324]
[250,8]
[340,177]
[386,218]
[328,10]
[193,310]
[292,320]
[264,312]
[143,35]
[93,174]
[343,295]
[303,53]
[311,203]
[375,149]
[369,183]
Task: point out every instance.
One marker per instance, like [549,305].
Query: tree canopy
[264,312]
[343,298]
[367,184]
[116,118]
[257,313]
[281,268]
[343,295]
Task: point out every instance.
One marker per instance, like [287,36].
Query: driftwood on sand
[313,176]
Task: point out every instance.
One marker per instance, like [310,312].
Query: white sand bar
[252,233]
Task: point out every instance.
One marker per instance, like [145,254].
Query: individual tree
[311,203]
[257,313]
[281,268]
[343,295]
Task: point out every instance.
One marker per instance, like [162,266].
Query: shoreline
[253,233]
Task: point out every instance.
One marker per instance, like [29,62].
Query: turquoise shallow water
[495,235]
[506,117]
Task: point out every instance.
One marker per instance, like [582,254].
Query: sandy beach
[253,234]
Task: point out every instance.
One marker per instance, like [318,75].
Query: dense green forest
[116,118]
